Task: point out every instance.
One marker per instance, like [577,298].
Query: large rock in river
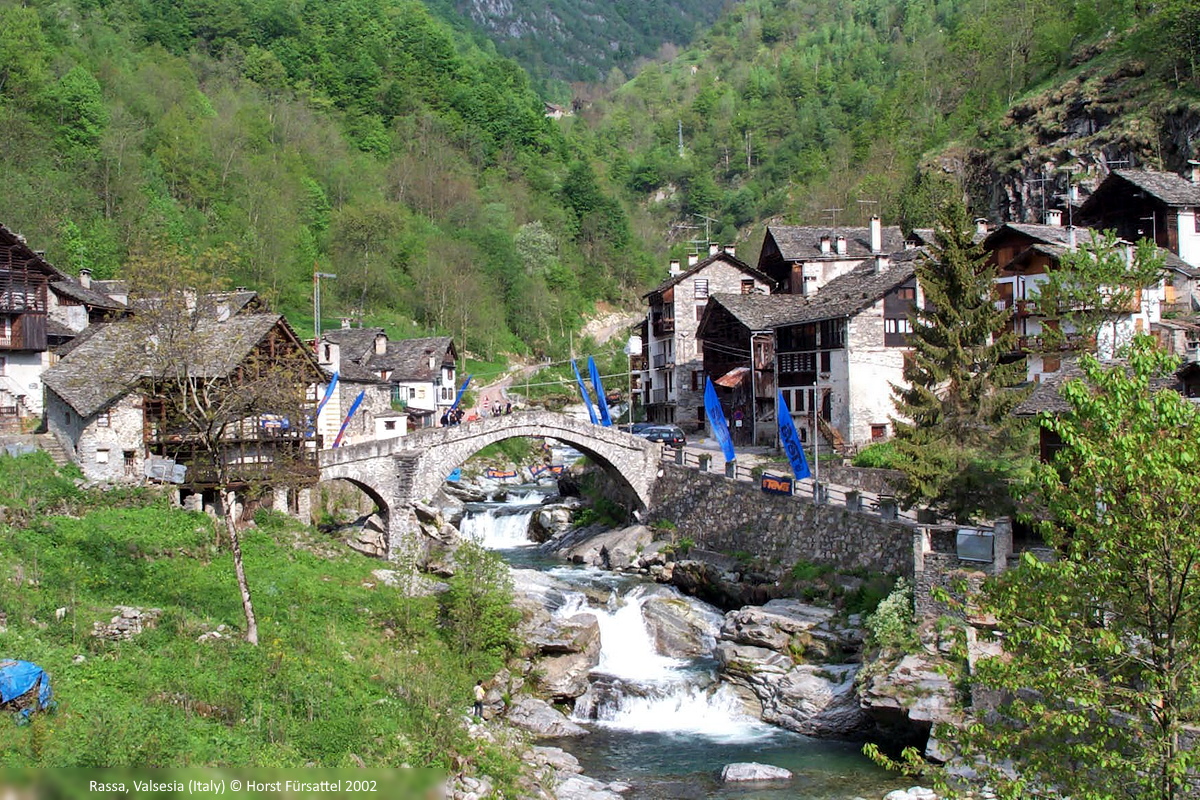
[680,627]
[753,771]
[610,549]
[570,649]
[541,719]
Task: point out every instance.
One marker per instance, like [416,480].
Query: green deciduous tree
[1096,285]
[478,607]
[1101,648]
[959,446]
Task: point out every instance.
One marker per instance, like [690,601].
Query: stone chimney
[882,262]
[731,250]
[841,245]
[825,245]
[85,278]
[713,248]
[1195,170]
[380,343]
[674,268]
[1054,218]
[693,259]
[876,235]
[981,226]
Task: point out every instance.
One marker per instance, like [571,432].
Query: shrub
[892,626]
[881,455]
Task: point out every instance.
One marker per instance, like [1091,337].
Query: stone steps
[49,442]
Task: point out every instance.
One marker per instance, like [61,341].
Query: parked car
[664,434]
[637,427]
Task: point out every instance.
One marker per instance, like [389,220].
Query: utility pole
[317,275]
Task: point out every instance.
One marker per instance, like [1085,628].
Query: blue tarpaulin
[20,677]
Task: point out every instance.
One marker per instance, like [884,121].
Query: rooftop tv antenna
[708,221]
[861,203]
[831,214]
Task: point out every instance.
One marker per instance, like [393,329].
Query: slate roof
[1046,234]
[862,286]
[803,242]
[408,359]
[736,262]
[1168,187]
[106,364]
[759,312]
[69,287]
[841,297]
[358,344]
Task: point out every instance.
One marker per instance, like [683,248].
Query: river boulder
[753,771]
[541,719]
[817,701]
[570,648]
[610,549]
[681,627]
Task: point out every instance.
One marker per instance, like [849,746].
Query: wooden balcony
[638,363]
[1072,342]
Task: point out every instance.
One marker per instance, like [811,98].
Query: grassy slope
[346,666]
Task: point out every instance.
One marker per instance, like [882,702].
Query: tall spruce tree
[959,445]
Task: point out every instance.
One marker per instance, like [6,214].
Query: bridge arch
[411,469]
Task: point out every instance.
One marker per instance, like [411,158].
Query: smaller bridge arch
[410,469]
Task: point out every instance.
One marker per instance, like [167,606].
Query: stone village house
[41,308]
[108,403]
[409,382]
[836,351]
[671,377]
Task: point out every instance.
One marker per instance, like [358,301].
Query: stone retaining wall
[734,516]
[876,481]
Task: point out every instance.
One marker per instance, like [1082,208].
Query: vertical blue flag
[790,439]
[333,382]
[716,420]
[346,422]
[587,401]
[601,400]
[461,392]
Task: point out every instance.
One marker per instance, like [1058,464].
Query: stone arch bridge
[398,473]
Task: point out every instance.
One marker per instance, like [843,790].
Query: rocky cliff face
[1105,117]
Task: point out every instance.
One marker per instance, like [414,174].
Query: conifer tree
[959,446]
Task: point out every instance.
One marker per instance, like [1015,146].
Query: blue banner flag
[333,382]
[790,439]
[601,400]
[346,422]
[461,392]
[587,401]
[716,420]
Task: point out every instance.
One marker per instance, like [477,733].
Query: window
[389,424]
[101,456]
[327,353]
[825,361]
[897,326]
[907,293]
[412,393]
[878,432]
[697,380]
[748,286]
[701,288]
[5,331]
[129,457]
[103,419]
[700,311]
[3,363]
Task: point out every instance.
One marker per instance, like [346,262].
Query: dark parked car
[664,434]
[637,427]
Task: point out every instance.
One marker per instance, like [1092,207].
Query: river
[666,725]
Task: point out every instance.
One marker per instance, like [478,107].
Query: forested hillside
[267,139]
[800,108]
[559,41]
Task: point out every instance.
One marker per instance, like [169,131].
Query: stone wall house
[1144,203]
[345,351]
[417,375]
[40,308]
[839,355]
[109,400]
[673,380]
[802,259]
[1024,254]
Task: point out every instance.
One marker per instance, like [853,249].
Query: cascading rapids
[503,526]
[635,688]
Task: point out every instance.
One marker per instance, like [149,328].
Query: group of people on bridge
[454,416]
